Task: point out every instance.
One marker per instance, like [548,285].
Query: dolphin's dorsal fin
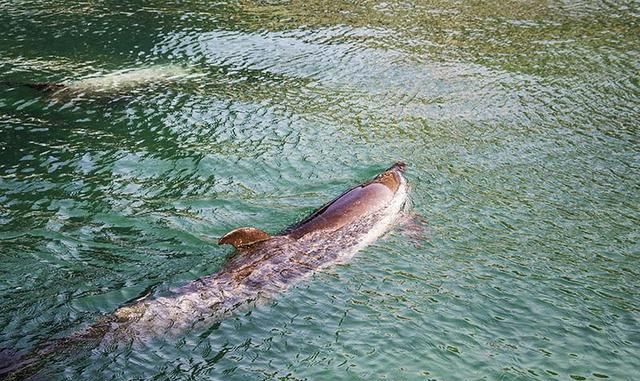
[242,237]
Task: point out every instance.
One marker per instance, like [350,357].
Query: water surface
[518,120]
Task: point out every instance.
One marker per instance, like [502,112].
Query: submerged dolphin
[262,265]
[113,82]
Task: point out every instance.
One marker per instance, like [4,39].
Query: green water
[518,122]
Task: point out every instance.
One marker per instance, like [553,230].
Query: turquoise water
[518,122]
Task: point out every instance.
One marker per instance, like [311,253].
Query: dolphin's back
[347,208]
[350,206]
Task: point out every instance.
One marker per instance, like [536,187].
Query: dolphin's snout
[392,177]
[398,166]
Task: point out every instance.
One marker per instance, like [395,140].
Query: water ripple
[518,123]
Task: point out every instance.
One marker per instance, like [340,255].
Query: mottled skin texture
[257,270]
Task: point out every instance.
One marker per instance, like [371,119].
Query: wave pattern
[518,122]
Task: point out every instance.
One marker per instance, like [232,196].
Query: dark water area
[180,121]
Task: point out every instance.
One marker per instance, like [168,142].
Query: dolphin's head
[392,177]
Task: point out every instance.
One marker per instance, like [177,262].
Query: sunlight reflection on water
[518,122]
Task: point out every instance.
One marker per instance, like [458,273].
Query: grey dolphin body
[262,265]
[111,83]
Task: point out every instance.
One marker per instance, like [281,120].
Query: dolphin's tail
[40,86]
[26,366]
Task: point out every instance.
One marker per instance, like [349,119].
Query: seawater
[518,122]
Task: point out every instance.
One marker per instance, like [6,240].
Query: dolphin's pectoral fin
[243,237]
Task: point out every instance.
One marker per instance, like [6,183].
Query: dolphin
[261,266]
[111,82]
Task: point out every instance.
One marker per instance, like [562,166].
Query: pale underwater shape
[129,78]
